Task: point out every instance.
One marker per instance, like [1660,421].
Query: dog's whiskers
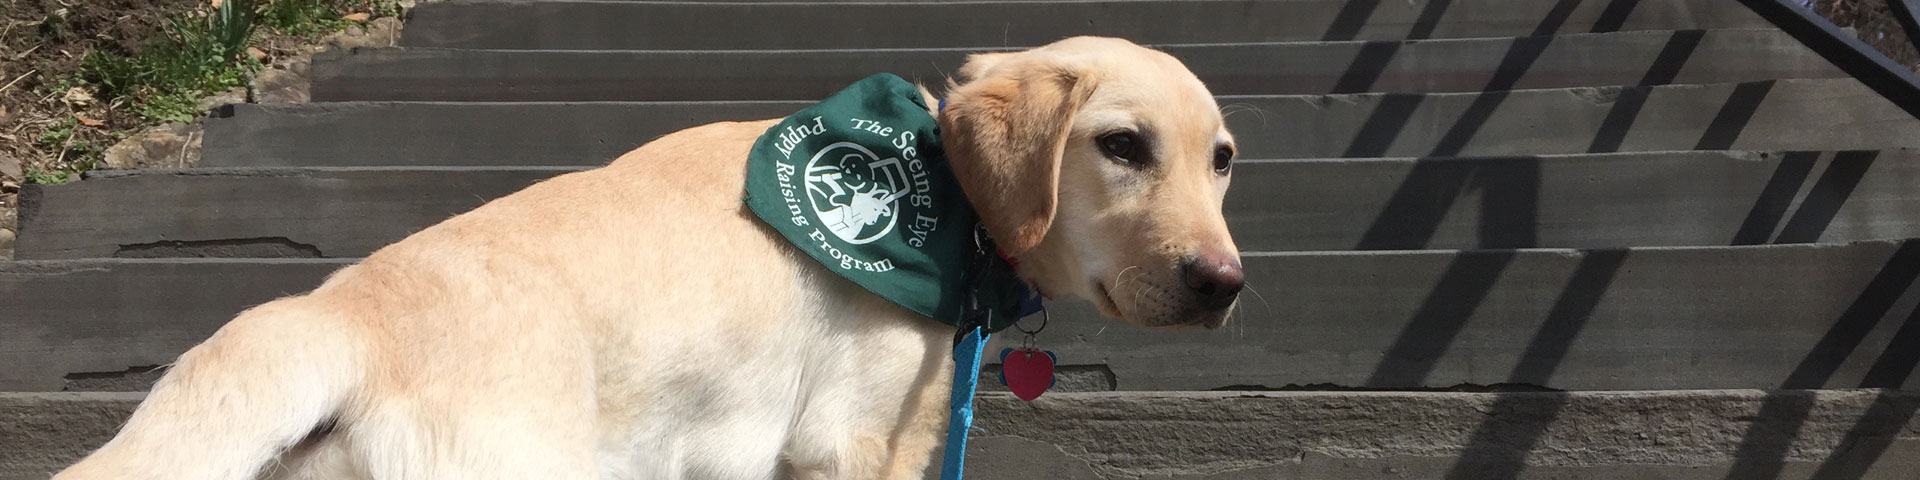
[1117,282]
[1233,108]
[1256,294]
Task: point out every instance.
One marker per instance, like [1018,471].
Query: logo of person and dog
[857,208]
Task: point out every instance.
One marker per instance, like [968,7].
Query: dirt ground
[42,43]
[48,117]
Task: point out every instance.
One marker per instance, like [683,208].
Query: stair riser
[690,26]
[1598,201]
[1760,116]
[1231,69]
[1685,318]
[1322,435]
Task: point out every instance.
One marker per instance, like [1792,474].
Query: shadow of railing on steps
[1890,79]
[1510,191]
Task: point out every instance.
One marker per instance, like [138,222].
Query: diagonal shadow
[1418,205]
[1896,363]
[1384,125]
[1734,115]
[1626,108]
[1389,119]
[1763,449]
[1821,205]
[1367,67]
[1509,200]
[1499,447]
[1870,436]
[1414,212]
[1354,15]
[1509,206]
[1614,16]
[1467,281]
[1347,23]
[1828,194]
[1521,55]
[1372,59]
[1774,199]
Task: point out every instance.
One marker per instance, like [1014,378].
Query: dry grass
[77,76]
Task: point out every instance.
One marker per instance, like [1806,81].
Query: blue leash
[966,379]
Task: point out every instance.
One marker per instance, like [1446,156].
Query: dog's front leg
[881,404]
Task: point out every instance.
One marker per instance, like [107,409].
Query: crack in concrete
[261,247]
[133,379]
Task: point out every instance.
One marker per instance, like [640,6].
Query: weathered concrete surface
[1229,435]
[1757,117]
[515,25]
[456,134]
[1800,316]
[1753,116]
[1452,65]
[108,315]
[1578,201]
[1239,435]
[253,212]
[41,433]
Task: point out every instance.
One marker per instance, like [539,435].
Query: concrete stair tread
[1757,116]
[569,25]
[1568,201]
[1794,316]
[1680,435]
[1442,65]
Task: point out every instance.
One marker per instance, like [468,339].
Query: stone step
[1678,435]
[1574,201]
[1448,65]
[1778,316]
[1766,115]
[567,25]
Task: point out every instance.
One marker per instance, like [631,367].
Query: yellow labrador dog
[579,330]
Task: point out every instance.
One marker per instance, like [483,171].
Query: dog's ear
[1004,131]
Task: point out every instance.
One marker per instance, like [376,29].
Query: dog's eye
[1222,160]
[1123,146]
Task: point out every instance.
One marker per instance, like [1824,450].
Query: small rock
[77,97]
[257,54]
[10,168]
[6,244]
[298,65]
[356,17]
[167,146]
[381,32]
[278,86]
[232,95]
[385,30]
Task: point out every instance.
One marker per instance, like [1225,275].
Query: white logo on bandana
[854,192]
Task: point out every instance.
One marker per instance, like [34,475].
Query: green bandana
[859,182]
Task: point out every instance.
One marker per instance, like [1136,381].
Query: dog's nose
[1215,280]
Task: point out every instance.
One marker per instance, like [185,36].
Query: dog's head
[1100,166]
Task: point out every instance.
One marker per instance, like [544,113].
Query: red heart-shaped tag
[1027,372]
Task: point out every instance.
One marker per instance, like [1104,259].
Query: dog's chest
[721,403]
